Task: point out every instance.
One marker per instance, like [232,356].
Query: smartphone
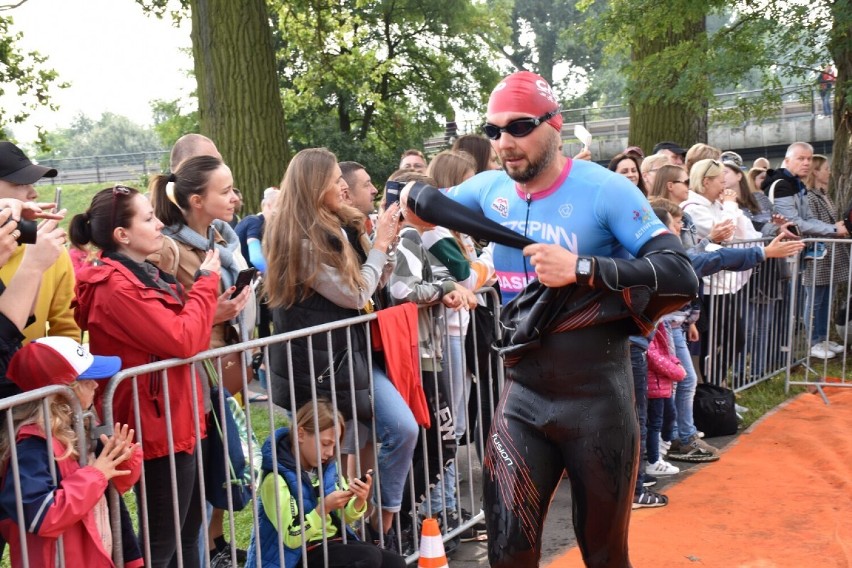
[57,199]
[795,230]
[244,278]
[363,478]
[211,237]
[392,191]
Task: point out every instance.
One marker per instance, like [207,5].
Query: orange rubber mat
[781,496]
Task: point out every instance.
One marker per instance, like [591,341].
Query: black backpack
[713,410]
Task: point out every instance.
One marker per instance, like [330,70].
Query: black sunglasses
[116,191]
[517,128]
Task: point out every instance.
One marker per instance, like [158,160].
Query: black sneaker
[648,499]
[453,523]
[467,515]
[649,481]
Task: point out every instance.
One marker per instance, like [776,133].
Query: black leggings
[567,406]
[161,523]
[354,554]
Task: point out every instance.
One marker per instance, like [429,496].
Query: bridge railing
[614,120]
[105,168]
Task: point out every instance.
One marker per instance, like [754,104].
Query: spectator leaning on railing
[786,189]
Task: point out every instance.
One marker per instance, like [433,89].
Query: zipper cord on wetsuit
[526,224]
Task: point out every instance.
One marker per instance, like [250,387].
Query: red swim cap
[525,92]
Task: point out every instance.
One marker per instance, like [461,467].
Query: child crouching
[312,433]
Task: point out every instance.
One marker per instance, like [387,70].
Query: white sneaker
[660,468]
[664,447]
[835,347]
[822,351]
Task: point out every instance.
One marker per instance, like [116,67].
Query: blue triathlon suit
[569,404]
[589,210]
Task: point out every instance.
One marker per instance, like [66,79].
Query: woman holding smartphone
[133,310]
[321,268]
[196,202]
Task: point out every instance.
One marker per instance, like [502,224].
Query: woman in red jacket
[133,310]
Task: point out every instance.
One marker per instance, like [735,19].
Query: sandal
[648,499]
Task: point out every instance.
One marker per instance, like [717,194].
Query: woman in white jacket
[710,203]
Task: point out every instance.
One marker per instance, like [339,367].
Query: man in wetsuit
[567,404]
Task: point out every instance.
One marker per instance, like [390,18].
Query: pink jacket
[663,366]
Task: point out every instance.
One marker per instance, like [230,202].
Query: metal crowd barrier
[831,256]
[7,409]
[482,390]
[764,329]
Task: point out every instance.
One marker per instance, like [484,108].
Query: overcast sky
[116,58]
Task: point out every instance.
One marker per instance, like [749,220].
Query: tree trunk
[239,101]
[841,50]
[655,117]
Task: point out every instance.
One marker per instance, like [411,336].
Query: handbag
[222,425]
[234,364]
[714,411]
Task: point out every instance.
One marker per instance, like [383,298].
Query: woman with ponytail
[133,310]
[196,197]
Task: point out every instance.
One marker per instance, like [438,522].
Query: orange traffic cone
[432,553]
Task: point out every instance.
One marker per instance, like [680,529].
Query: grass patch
[767,395]
[76,197]
[763,397]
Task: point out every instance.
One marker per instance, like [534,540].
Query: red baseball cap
[58,361]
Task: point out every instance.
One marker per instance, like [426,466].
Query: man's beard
[535,167]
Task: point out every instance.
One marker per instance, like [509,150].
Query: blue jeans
[816,311]
[758,326]
[826,101]
[639,362]
[684,390]
[460,380]
[658,408]
[397,432]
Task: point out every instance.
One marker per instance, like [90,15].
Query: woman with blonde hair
[709,203]
[451,167]
[700,152]
[832,269]
[321,269]
[650,166]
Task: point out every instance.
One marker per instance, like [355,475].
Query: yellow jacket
[53,314]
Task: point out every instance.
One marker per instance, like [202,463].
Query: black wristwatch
[585,270]
[199,273]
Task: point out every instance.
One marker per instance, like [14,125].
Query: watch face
[584,265]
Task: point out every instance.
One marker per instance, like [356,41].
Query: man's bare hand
[554,265]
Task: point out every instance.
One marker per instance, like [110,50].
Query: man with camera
[52,314]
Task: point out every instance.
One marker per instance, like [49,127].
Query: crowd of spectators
[156,274]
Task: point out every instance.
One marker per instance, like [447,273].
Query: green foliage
[110,134]
[24,74]
[768,44]
[374,77]
[171,121]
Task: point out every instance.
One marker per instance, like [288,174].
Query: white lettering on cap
[545,91]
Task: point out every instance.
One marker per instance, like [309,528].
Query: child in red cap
[74,507]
